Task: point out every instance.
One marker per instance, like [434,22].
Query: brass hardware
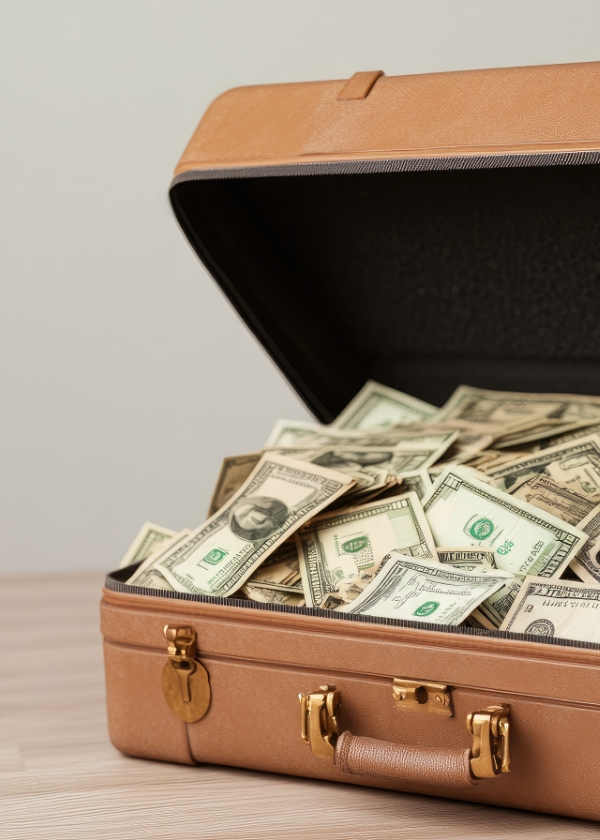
[490,754]
[185,680]
[422,696]
[319,721]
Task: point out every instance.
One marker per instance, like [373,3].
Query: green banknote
[526,540]
[334,549]
[278,497]
[413,589]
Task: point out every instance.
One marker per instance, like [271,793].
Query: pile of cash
[486,511]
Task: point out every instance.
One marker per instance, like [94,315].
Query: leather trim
[477,641]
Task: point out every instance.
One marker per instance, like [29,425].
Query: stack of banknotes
[486,511]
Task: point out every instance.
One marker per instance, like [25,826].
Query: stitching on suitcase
[385,165]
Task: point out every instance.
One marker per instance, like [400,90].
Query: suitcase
[422,231]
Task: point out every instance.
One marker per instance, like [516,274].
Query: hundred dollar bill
[575,464]
[585,563]
[480,406]
[546,494]
[492,612]
[414,589]
[526,540]
[469,559]
[149,577]
[334,548]
[278,497]
[234,471]
[148,539]
[562,609]
[379,407]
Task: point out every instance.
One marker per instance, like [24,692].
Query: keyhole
[421,694]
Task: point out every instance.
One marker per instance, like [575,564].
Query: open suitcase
[422,231]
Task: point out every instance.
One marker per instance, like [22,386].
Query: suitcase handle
[361,756]
[357,755]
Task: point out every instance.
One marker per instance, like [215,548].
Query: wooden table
[60,777]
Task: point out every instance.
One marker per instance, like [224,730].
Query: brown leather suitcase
[422,231]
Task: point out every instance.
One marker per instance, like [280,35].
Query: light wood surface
[61,778]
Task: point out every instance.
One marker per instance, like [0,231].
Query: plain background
[125,376]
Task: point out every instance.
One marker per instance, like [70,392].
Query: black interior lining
[420,279]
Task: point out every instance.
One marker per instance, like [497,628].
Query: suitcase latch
[422,696]
[319,719]
[185,681]
[490,754]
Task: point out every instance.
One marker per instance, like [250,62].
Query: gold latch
[185,681]
[490,753]
[319,719]
[422,696]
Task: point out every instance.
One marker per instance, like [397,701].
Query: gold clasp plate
[319,719]
[185,680]
[490,753]
[422,696]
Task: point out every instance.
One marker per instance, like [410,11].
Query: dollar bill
[417,482]
[470,559]
[281,570]
[578,431]
[148,539]
[414,589]
[532,433]
[575,465]
[379,407]
[485,407]
[562,609]
[292,433]
[269,595]
[151,578]
[585,563]
[526,540]
[333,601]
[333,549]
[436,471]
[492,612]
[396,461]
[146,575]
[234,471]
[279,496]
[543,492]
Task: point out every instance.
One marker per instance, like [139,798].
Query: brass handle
[488,757]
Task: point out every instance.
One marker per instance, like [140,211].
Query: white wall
[125,376]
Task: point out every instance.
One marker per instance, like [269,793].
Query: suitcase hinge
[319,719]
[490,754]
[185,680]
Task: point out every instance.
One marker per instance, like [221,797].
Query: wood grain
[60,778]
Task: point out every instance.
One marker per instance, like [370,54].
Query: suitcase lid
[422,231]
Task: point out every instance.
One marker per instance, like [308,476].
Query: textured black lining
[114,584]
[428,272]
[426,164]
